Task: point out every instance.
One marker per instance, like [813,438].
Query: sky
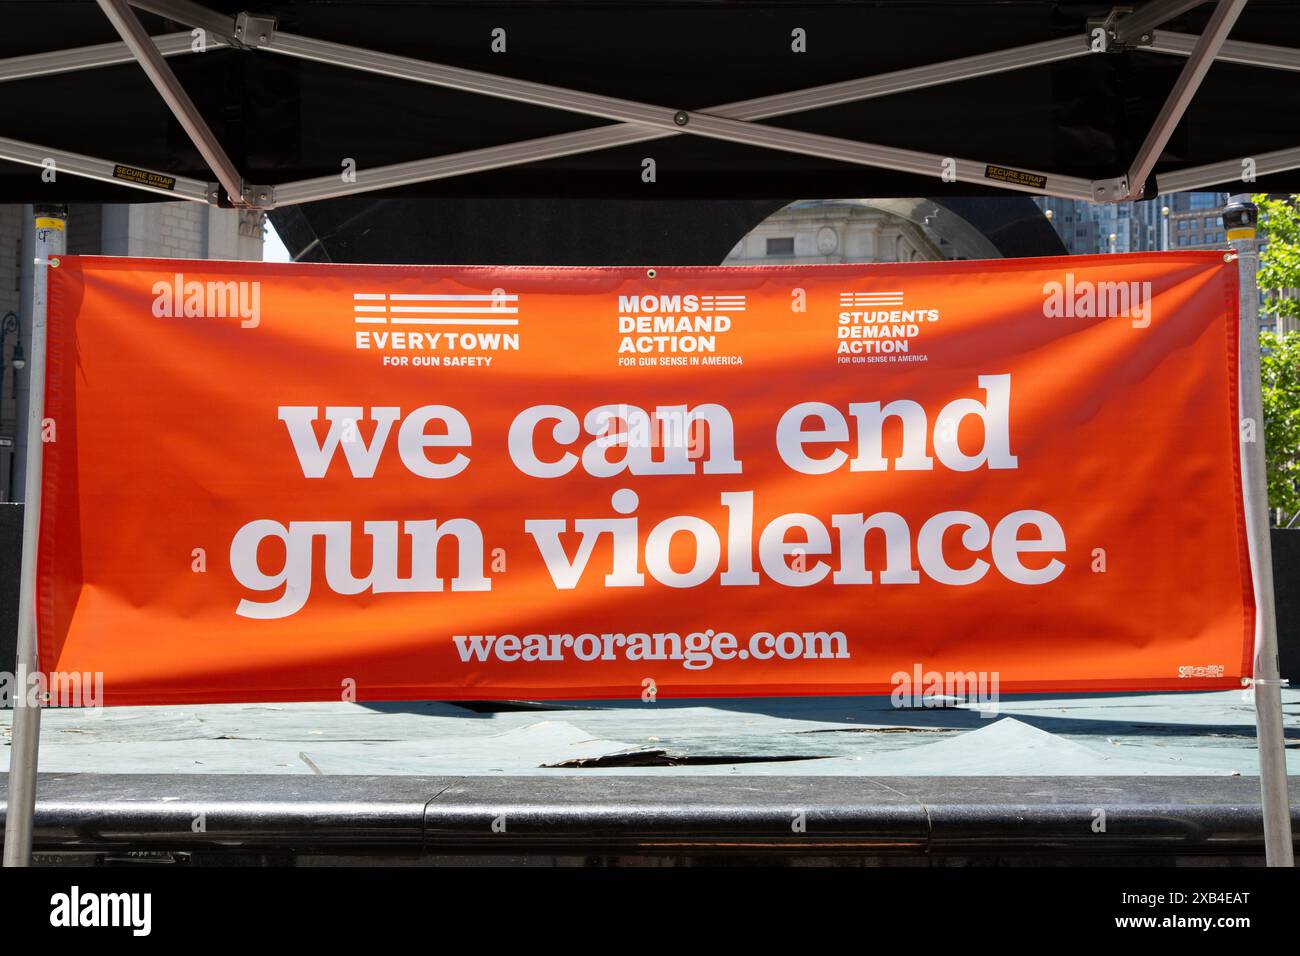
[273,249]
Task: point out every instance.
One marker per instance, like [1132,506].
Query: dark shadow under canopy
[282,118]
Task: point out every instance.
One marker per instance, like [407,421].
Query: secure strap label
[1018,176]
[143,177]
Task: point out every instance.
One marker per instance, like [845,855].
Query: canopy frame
[738,122]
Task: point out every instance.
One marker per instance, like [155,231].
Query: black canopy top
[284,118]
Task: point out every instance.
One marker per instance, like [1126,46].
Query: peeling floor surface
[1181,734]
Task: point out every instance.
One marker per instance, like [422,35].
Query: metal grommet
[681,117]
[54,262]
[649,273]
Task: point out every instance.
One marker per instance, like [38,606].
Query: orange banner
[312,482]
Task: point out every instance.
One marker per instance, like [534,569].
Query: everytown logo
[437,321]
[191,299]
[1073,299]
[74,908]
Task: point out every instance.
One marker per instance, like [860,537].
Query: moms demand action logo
[191,299]
[677,323]
[1073,299]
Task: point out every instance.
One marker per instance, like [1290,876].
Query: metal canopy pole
[182,107]
[709,125]
[1134,27]
[90,57]
[1189,80]
[20,809]
[1232,51]
[30,154]
[733,122]
[547,147]
[607,137]
[191,14]
[1212,174]
[1239,219]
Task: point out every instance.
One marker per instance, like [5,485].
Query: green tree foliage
[1280,375]
[1279,277]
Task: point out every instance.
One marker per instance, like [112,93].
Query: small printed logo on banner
[877,324]
[406,322]
[1201,670]
[191,299]
[1083,299]
[677,329]
[75,908]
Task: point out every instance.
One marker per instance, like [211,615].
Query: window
[783,246]
[1182,224]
